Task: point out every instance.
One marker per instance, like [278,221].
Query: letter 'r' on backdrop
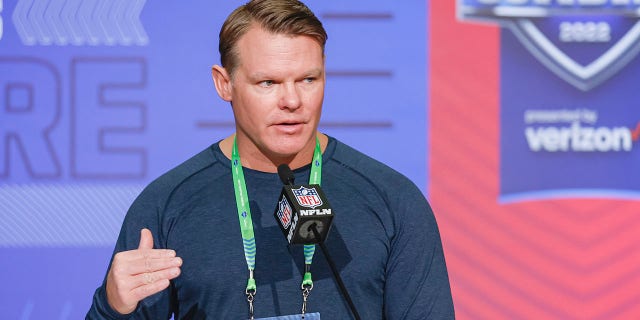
[518,119]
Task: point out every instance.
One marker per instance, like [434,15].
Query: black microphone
[286,175]
[302,225]
[301,209]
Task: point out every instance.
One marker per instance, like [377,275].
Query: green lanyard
[246,224]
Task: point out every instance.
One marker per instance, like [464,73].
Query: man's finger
[144,291]
[146,239]
[152,265]
[134,255]
[148,278]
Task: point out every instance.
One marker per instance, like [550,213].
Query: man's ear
[222,82]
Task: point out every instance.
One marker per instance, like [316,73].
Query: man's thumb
[146,239]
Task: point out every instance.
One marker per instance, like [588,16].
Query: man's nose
[290,97]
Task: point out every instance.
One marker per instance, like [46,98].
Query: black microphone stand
[336,275]
[287,178]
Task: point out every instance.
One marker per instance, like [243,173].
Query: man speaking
[201,241]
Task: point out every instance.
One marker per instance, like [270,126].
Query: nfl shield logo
[307,197]
[284,212]
[583,42]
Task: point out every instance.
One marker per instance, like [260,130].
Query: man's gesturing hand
[139,273]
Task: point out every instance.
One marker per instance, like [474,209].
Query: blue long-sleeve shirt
[384,241]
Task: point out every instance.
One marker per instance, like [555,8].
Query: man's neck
[257,160]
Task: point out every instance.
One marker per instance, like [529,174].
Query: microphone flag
[299,209]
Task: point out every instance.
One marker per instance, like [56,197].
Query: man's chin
[288,148]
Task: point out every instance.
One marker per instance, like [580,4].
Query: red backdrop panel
[549,259]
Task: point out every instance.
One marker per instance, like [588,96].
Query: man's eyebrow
[314,72]
[258,75]
[262,75]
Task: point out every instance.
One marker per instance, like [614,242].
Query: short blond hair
[289,17]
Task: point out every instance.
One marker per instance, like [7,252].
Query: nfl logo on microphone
[307,197]
[284,212]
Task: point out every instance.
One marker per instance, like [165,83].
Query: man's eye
[266,83]
[309,80]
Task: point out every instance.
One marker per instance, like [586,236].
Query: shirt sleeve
[145,212]
[100,308]
[417,284]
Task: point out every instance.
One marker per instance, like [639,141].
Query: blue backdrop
[99,97]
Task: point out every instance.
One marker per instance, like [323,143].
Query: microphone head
[286,175]
[304,214]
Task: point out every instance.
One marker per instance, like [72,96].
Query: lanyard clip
[251,292]
[306,286]
[306,290]
[250,297]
